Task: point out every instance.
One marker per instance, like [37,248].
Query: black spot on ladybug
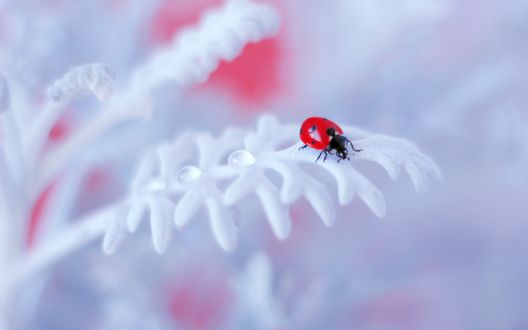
[313,141]
[313,128]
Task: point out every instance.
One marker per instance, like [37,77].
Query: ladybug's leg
[351,145]
[319,156]
[325,152]
[303,147]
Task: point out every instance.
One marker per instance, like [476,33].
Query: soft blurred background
[449,75]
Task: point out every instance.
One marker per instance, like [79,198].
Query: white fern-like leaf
[255,293]
[150,194]
[176,180]
[95,78]
[115,232]
[394,154]
[129,216]
[197,51]
[264,146]
[222,222]
[200,187]
[136,212]
[161,211]
[262,151]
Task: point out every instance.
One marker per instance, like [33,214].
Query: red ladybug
[322,134]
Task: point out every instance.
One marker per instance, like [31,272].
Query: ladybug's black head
[331,131]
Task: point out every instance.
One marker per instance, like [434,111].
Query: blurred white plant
[174,190]
[96,78]
[176,179]
[267,300]
[196,52]
[4,95]
[163,175]
[197,170]
[26,168]
[193,55]
[254,290]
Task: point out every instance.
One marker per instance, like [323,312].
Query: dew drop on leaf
[241,158]
[189,174]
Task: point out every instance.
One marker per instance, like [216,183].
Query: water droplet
[189,174]
[241,158]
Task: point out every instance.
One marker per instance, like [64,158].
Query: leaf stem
[82,232]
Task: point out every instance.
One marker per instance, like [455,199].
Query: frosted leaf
[187,207]
[160,168]
[393,154]
[351,183]
[135,214]
[296,183]
[203,191]
[161,177]
[196,52]
[277,213]
[129,216]
[161,211]
[291,175]
[270,136]
[115,232]
[212,151]
[146,171]
[242,186]
[255,181]
[242,161]
[150,196]
[264,146]
[4,95]
[222,224]
[95,78]
[318,195]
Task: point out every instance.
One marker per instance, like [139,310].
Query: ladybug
[322,134]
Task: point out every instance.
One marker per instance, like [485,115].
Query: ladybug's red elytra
[322,134]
